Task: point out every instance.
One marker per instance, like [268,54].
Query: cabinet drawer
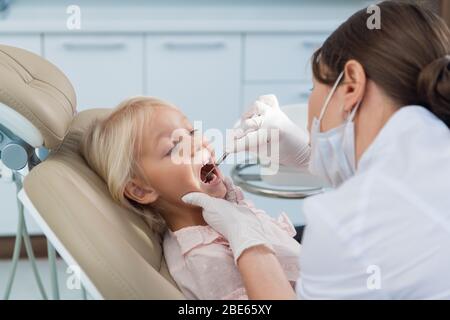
[104,69]
[280,57]
[198,73]
[286,93]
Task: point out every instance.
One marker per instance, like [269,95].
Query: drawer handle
[312,44]
[195,45]
[304,95]
[93,46]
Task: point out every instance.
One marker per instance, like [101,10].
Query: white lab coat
[385,233]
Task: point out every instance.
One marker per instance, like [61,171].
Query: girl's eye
[170,151]
[192,133]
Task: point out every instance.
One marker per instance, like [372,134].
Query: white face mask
[333,152]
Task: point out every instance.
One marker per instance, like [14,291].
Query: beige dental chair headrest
[114,247]
[38,95]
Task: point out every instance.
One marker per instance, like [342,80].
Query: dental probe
[218,162]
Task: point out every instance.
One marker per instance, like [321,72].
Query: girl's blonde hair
[112,147]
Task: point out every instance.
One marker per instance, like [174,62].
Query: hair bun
[433,88]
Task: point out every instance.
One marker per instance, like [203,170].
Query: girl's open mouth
[211,178]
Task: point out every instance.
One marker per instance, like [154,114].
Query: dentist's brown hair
[408,58]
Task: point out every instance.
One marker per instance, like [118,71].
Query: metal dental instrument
[218,162]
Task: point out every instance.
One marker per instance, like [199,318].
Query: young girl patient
[133,150]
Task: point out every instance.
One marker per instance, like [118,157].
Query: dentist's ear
[144,195]
[354,83]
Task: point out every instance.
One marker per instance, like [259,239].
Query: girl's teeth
[213,176]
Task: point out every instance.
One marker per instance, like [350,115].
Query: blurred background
[210,57]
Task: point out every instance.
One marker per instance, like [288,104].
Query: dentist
[381,137]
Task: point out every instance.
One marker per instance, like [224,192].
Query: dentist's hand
[234,193]
[237,223]
[253,132]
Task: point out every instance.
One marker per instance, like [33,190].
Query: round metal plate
[249,183]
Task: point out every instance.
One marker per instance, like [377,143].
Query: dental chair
[113,249]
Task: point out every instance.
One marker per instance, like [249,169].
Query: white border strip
[67,257]
[20,126]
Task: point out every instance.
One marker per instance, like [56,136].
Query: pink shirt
[202,264]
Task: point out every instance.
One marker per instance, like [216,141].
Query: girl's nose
[199,143]
[196,144]
[207,145]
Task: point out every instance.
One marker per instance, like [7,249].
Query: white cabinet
[286,93]
[280,57]
[200,74]
[279,64]
[104,69]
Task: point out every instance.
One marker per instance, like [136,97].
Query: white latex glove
[234,193]
[236,222]
[253,131]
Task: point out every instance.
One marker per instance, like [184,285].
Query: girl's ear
[355,84]
[134,190]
